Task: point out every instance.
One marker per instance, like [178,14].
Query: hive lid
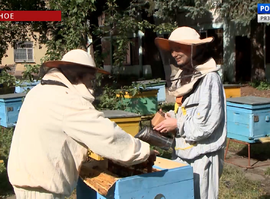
[12,95]
[250,100]
[152,82]
[119,114]
[232,85]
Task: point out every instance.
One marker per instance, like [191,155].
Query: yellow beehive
[129,122]
[232,90]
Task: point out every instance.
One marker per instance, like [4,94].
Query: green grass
[256,150]
[5,141]
[234,184]
[267,172]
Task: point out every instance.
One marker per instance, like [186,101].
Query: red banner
[30,15]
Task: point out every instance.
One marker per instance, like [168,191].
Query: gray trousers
[207,170]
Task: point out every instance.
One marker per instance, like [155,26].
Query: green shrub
[5,142]
[234,184]
[260,85]
[166,107]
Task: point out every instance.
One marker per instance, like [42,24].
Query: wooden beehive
[10,105]
[232,90]
[248,118]
[170,179]
[145,102]
[129,122]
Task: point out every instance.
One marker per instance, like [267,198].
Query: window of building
[23,52]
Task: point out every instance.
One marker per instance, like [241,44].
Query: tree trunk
[257,51]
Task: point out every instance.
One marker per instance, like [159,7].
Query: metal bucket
[154,138]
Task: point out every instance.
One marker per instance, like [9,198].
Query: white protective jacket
[55,127]
[201,119]
[201,135]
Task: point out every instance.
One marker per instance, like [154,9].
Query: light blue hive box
[158,85]
[10,105]
[26,86]
[175,180]
[248,118]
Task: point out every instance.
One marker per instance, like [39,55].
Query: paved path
[256,173]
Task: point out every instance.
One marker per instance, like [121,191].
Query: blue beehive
[158,85]
[10,105]
[248,118]
[25,86]
[175,180]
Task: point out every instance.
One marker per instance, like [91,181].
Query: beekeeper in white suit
[200,115]
[57,123]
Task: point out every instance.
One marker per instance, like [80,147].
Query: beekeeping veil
[184,36]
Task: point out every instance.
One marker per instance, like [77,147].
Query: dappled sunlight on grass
[234,184]
[257,150]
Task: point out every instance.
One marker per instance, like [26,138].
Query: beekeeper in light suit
[200,115]
[57,124]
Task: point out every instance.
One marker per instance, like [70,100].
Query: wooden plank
[167,164]
[265,139]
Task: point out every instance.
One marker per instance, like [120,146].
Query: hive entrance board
[167,164]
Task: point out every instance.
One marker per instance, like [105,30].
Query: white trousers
[207,170]
[22,193]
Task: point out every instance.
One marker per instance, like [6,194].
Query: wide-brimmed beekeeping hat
[182,35]
[173,74]
[75,57]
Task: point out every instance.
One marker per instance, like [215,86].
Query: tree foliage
[122,20]
[120,25]
[72,32]
[239,11]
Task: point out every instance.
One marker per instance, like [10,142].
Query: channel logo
[263,13]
